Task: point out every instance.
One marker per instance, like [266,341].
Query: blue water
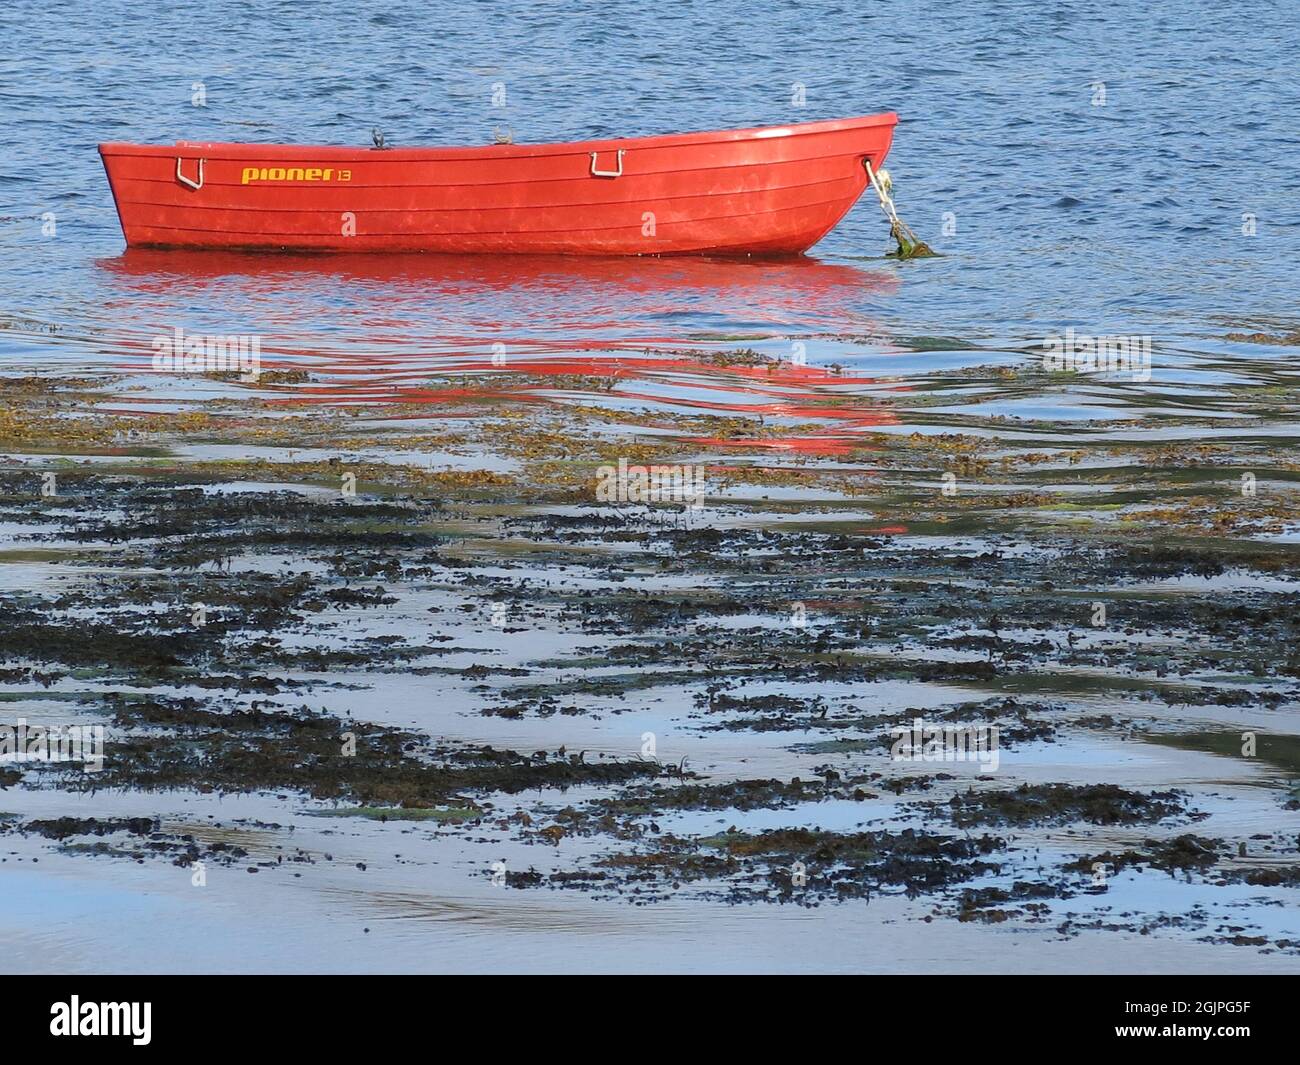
[1093,163]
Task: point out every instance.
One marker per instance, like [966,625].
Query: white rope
[882,184]
[910,246]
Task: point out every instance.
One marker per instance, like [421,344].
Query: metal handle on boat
[195,185]
[607,173]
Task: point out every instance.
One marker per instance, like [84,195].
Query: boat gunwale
[526,181]
[244,150]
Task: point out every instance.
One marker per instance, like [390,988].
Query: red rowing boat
[770,191]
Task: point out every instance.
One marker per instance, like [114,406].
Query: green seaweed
[443,815]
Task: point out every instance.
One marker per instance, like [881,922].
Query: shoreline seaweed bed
[473,653]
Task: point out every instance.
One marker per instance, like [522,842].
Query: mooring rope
[910,246]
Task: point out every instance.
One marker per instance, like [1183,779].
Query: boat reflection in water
[435,330]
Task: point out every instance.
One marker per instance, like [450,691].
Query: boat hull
[767,191]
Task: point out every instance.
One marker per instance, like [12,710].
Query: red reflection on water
[373,329]
[626,273]
[538,304]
